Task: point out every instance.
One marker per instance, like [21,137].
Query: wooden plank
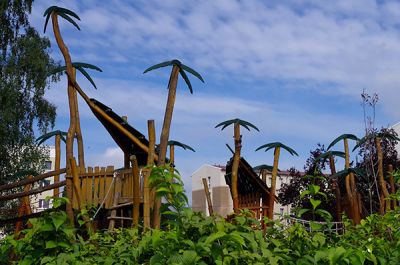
[111,224]
[31,180]
[96,186]
[136,190]
[31,192]
[84,180]
[109,177]
[89,186]
[102,179]
[208,197]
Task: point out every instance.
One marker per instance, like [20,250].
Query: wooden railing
[24,211]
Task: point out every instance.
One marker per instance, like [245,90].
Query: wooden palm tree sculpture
[351,191]
[177,68]
[59,135]
[236,157]
[74,127]
[172,145]
[277,149]
[78,133]
[377,138]
[335,186]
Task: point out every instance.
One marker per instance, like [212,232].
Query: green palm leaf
[372,136]
[342,137]
[330,153]
[86,65]
[187,81]
[57,70]
[345,172]
[46,136]
[83,71]
[182,145]
[261,167]
[276,145]
[192,71]
[243,123]
[62,12]
[156,66]
[66,17]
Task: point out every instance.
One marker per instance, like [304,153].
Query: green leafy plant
[315,197]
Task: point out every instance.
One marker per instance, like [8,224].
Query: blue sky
[295,69]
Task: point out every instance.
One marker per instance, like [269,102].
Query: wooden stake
[24,209]
[72,125]
[336,188]
[136,190]
[150,162]
[57,163]
[208,197]
[381,180]
[235,167]
[273,183]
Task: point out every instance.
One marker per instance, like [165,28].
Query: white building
[38,201]
[219,191]
[396,127]
[220,194]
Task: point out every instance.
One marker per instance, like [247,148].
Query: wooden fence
[97,186]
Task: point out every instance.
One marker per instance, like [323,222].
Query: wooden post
[150,162]
[381,180]
[126,155]
[336,188]
[24,208]
[274,174]
[57,163]
[76,199]
[136,190]
[235,167]
[208,197]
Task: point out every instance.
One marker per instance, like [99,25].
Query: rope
[105,197]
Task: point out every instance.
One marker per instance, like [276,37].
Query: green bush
[208,240]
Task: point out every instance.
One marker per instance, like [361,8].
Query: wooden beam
[31,192]
[208,197]
[31,180]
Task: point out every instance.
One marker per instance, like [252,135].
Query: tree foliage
[25,64]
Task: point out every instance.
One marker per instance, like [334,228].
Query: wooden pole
[126,154]
[273,183]
[31,180]
[173,82]
[72,126]
[336,188]
[381,180]
[351,187]
[103,114]
[31,192]
[76,197]
[78,132]
[136,190]
[235,167]
[150,162]
[57,163]
[24,209]
[208,197]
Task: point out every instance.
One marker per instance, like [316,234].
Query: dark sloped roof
[121,139]
[248,180]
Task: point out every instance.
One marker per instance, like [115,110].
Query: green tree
[25,64]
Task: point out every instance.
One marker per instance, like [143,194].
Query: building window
[44,183]
[44,204]
[47,165]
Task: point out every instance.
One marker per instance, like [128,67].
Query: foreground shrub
[208,240]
